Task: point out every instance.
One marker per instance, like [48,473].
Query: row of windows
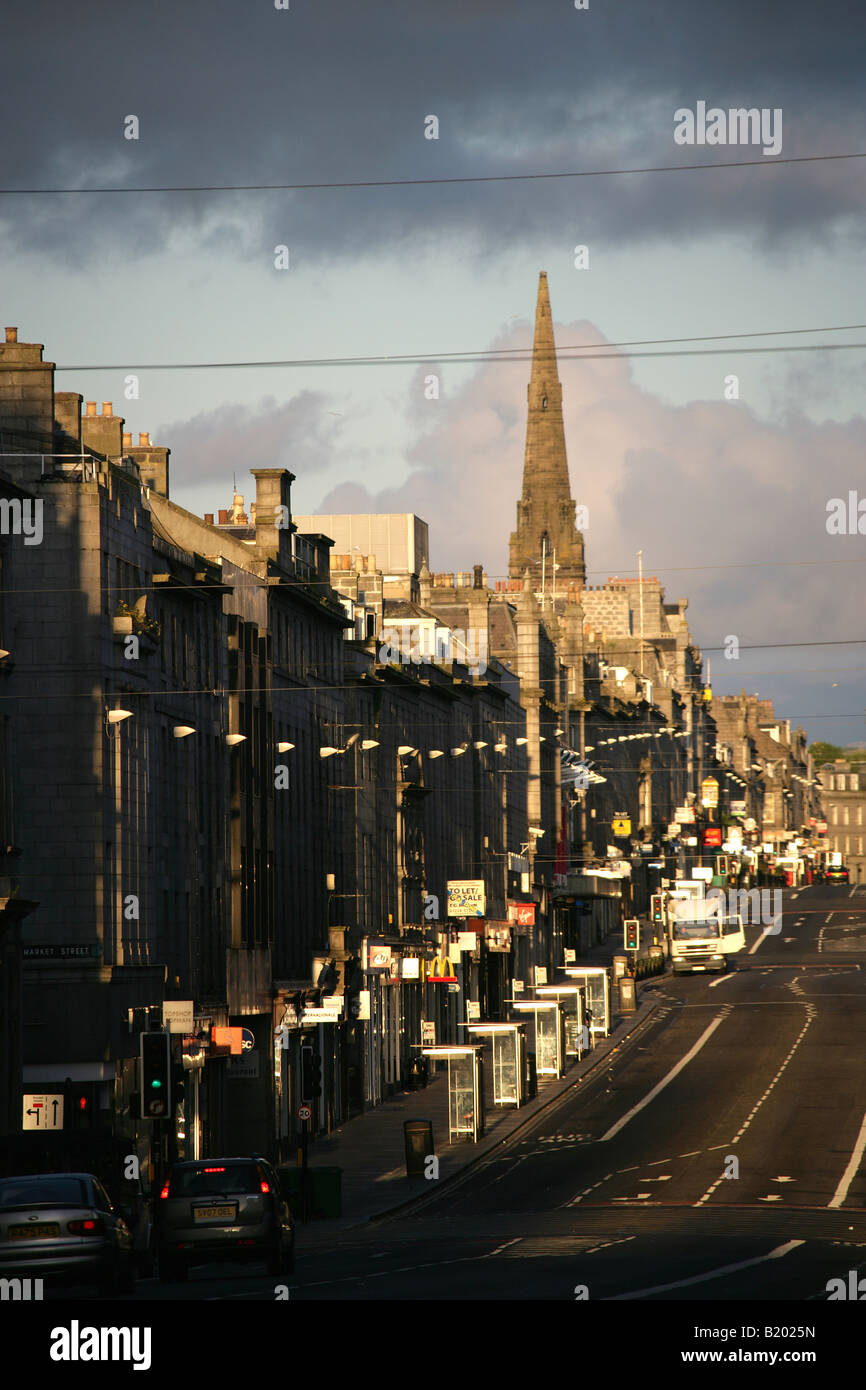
[842,781]
[846,810]
[852,844]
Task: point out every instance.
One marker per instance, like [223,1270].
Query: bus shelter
[508,1042]
[573,1001]
[596,982]
[465,1088]
[545,1016]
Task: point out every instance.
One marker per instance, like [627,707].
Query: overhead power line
[763,163]
[469,357]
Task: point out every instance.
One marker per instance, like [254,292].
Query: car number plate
[212,1213]
[44,1232]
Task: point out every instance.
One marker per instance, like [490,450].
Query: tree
[825,753]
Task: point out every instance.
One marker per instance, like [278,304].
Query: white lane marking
[810,1014]
[783,1180]
[776,1254]
[773,1197]
[753,948]
[853,1164]
[666,1080]
[573,1201]
[853,891]
[729,975]
[623,1240]
[500,1248]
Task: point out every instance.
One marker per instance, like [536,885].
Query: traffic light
[632,934]
[722,865]
[155,1075]
[311,1074]
[657,907]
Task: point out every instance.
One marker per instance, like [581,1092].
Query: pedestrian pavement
[370,1148]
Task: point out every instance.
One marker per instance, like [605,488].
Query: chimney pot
[91,407]
[208,516]
[127,441]
[223,517]
[144,441]
[12,335]
[106,408]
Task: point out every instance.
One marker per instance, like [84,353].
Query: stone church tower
[546,512]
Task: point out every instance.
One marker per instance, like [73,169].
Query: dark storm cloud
[214,445]
[231,93]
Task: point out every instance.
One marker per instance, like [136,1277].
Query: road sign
[621,827]
[42,1112]
[304,1112]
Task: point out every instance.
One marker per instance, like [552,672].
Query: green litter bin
[326,1196]
[290,1185]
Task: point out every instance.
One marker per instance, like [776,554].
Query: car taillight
[164,1192]
[265,1187]
[90,1226]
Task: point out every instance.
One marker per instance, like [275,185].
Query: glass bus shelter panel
[506,1068]
[596,982]
[463,1091]
[508,1048]
[547,1042]
[572,1002]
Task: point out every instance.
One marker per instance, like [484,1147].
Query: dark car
[836,873]
[64,1228]
[223,1209]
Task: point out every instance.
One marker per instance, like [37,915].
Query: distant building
[843,795]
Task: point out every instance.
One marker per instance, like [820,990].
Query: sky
[726,497]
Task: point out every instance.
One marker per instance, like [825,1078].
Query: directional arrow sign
[42,1112]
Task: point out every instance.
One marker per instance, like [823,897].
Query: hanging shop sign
[441,972]
[713,835]
[378,957]
[621,826]
[522,913]
[411,968]
[498,939]
[710,791]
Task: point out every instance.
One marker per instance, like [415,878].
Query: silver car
[223,1209]
[63,1228]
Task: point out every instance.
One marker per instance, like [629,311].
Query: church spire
[546,512]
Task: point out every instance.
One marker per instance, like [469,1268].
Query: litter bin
[290,1185]
[418,1141]
[620,967]
[326,1191]
[627,1000]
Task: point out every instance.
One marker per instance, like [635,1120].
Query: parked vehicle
[64,1228]
[223,1209]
